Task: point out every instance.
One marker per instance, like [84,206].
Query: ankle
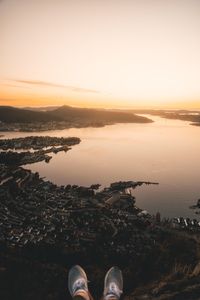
[81,294]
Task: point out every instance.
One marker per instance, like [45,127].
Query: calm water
[166,151]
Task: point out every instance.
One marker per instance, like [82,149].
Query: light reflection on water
[166,151]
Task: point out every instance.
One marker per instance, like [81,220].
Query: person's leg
[78,298]
[113,284]
[77,284]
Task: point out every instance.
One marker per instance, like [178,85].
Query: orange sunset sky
[100,53]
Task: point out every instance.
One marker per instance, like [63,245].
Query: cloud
[14,85]
[50,84]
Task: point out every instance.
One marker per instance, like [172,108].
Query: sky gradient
[100,53]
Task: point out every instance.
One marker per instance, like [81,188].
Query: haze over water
[166,151]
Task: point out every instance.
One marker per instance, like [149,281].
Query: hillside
[68,114]
[15,115]
[45,229]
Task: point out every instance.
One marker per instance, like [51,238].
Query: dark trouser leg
[110,298]
[78,298]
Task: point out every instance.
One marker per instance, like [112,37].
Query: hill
[15,115]
[68,113]
[72,115]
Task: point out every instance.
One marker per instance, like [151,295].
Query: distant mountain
[41,108]
[69,113]
[181,114]
[83,116]
[10,114]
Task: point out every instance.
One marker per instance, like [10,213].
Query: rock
[196,271]
[198,203]
[95,186]
[84,191]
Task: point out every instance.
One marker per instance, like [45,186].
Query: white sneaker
[77,281]
[113,283]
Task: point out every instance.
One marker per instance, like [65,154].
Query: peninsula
[40,147]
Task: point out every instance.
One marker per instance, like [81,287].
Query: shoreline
[42,127]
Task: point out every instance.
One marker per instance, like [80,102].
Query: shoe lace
[114,290]
[79,285]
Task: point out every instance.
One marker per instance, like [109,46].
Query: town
[37,211]
[47,126]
